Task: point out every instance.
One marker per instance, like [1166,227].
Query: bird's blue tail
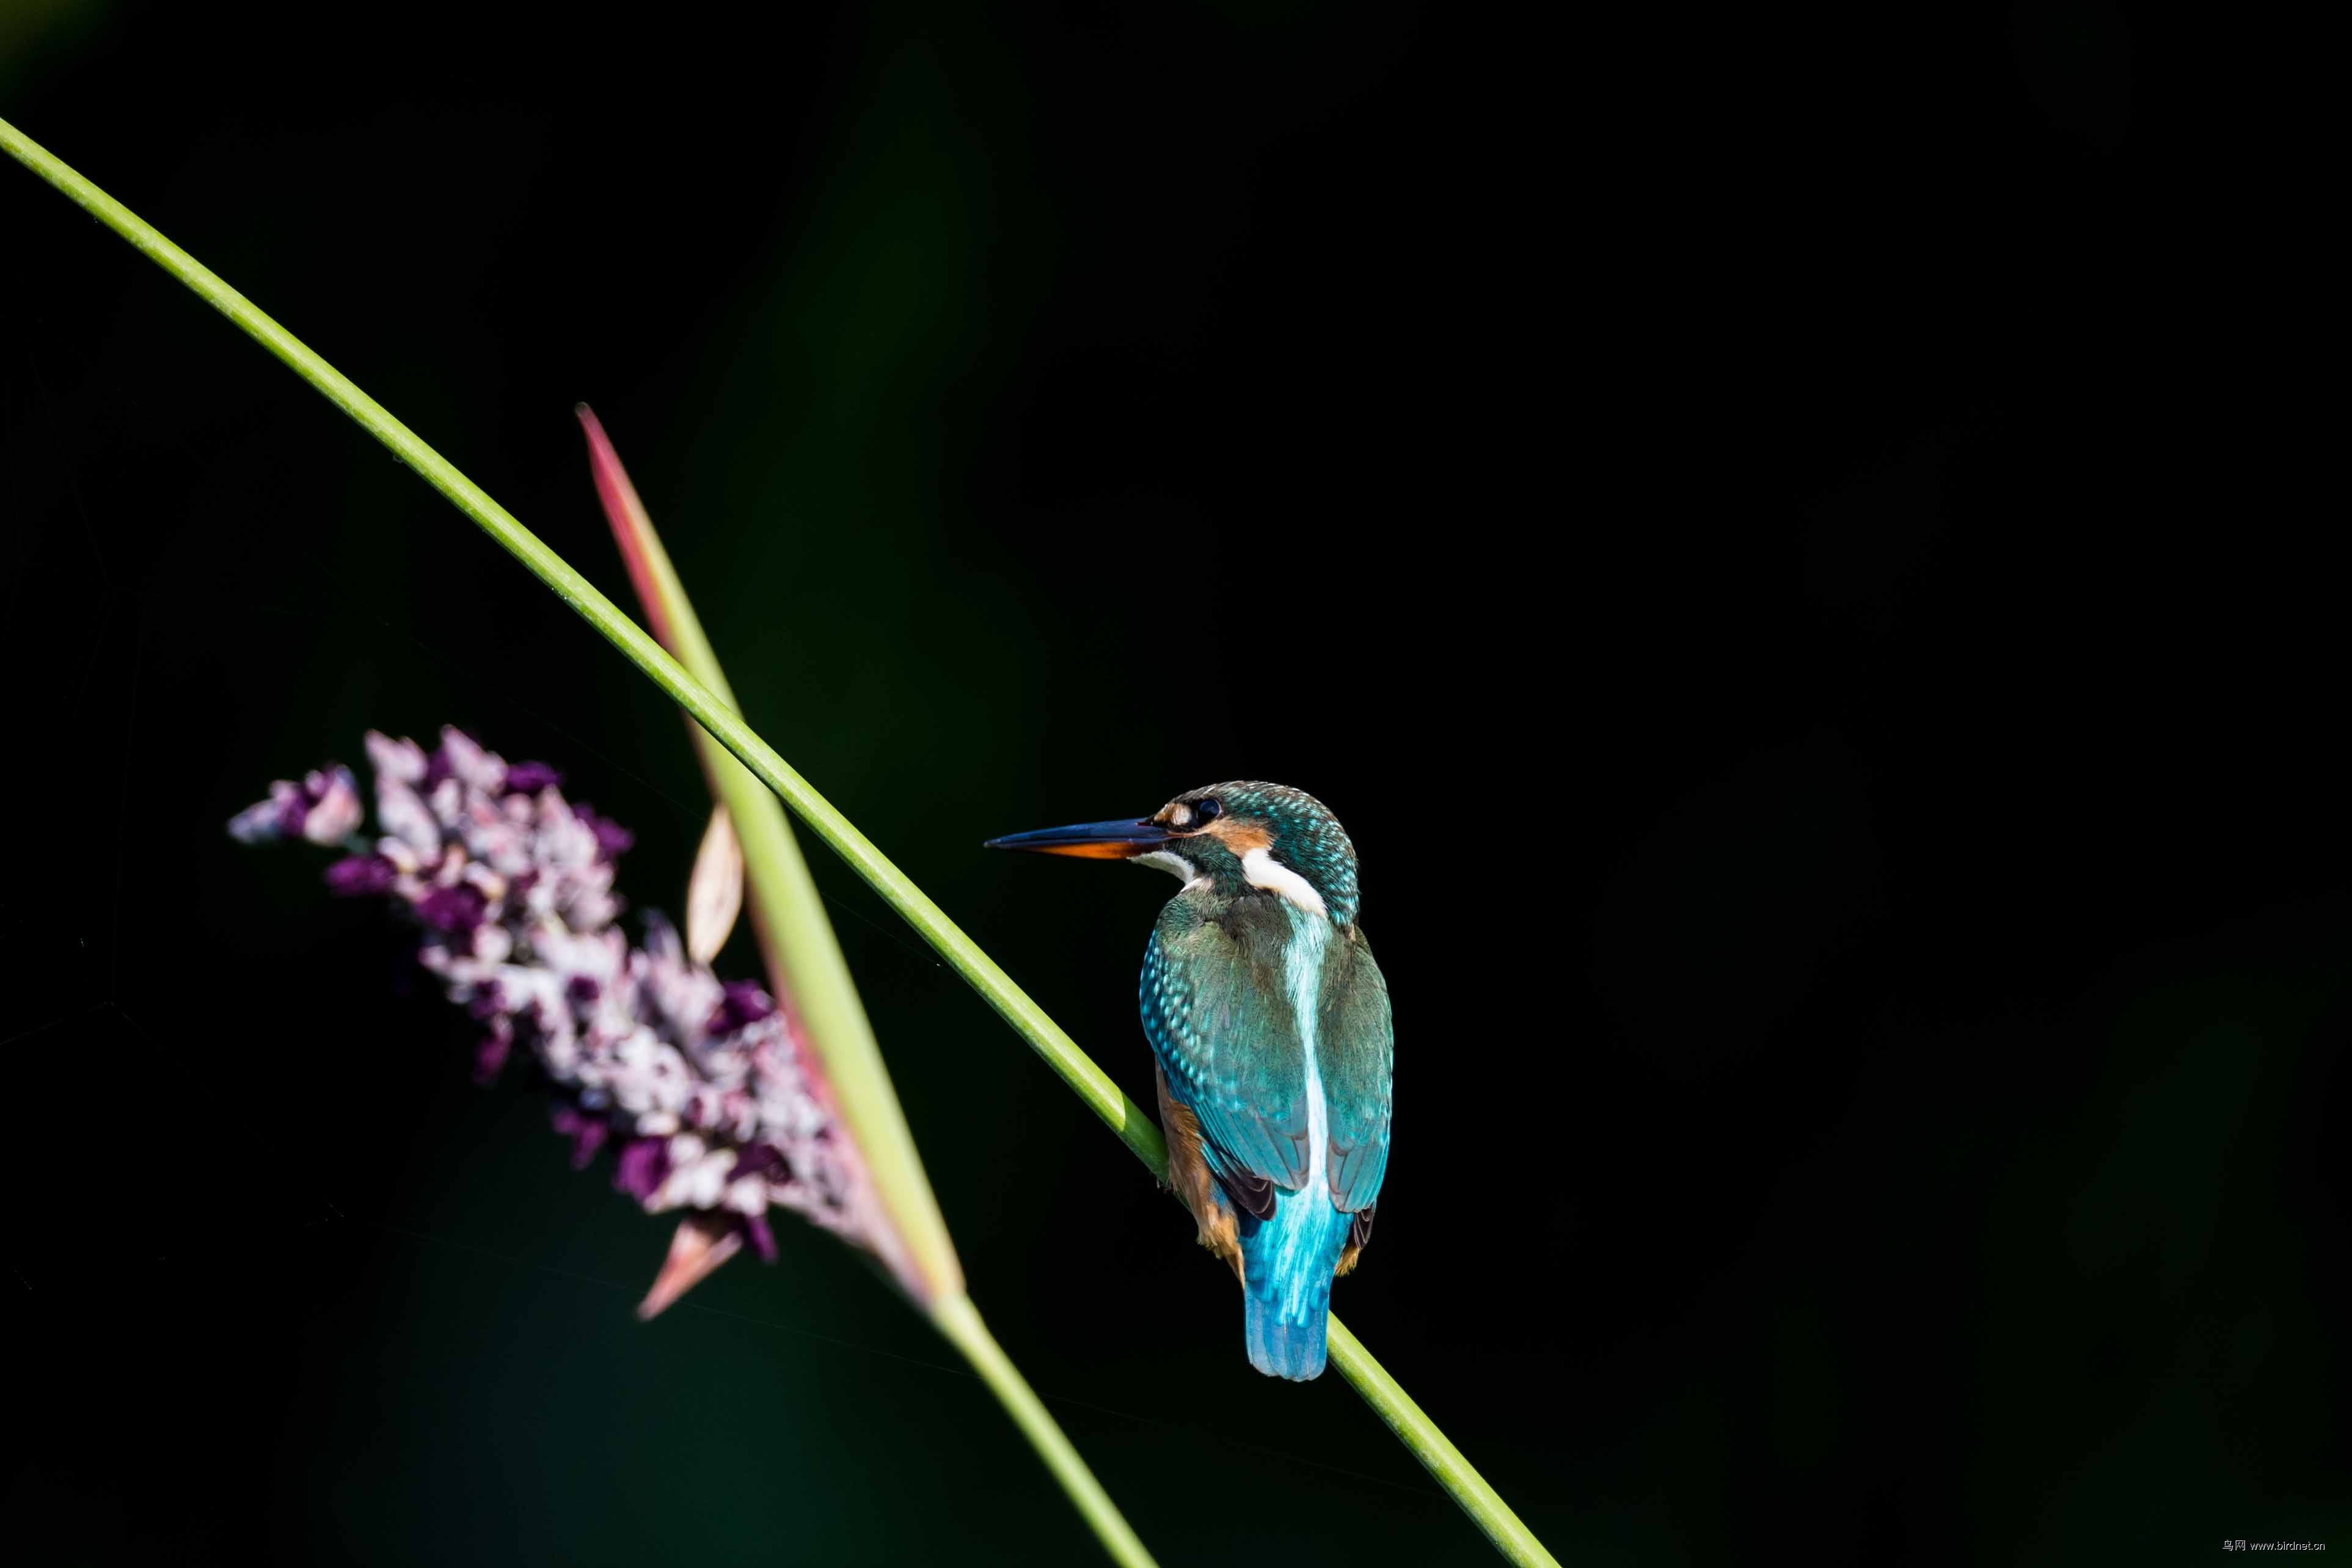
[1286,1263]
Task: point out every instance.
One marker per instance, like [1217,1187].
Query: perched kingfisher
[1270,1024]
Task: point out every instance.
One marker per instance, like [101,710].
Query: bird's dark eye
[1208,810]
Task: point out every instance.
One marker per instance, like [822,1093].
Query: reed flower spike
[702,1088]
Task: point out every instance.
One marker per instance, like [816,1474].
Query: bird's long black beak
[1089,840]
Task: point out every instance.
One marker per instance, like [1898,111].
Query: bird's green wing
[1221,1019]
[1355,1051]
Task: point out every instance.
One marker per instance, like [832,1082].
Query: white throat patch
[1175,865]
[1260,867]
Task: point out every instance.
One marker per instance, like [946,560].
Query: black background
[1797,545]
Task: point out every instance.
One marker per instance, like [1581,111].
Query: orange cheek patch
[1241,837]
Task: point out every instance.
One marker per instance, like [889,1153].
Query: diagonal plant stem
[797,943]
[959,1320]
[1135,1127]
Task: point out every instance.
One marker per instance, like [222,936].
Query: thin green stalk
[1093,1085]
[959,1320]
[765,835]
[813,979]
[797,943]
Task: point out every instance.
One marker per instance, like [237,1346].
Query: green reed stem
[959,1320]
[804,964]
[1124,1116]
[796,942]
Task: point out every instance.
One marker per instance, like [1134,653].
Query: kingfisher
[1273,1051]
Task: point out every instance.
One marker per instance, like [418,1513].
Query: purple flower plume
[324,809]
[702,1087]
[360,876]
[531,777]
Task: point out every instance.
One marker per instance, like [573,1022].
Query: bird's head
[1235,838]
